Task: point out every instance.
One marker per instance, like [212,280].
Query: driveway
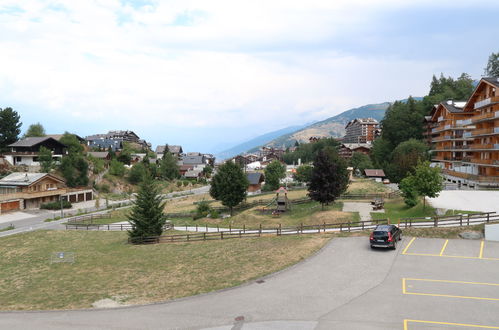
[467,200]
[344,286]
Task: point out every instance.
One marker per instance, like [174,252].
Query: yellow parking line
[443,247]
[407,247]
[449,323]
[481,250]
[404,290]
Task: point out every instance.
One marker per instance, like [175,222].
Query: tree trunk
[322,206]
[231,211]
[424,203]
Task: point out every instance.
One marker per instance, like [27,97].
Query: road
[35,220]
[346,285]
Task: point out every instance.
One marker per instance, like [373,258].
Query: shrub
[179,184]
[202,210]
[185,183]
[56,205]
[103,188]
[214,214]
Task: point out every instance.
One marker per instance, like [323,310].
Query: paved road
[345,286]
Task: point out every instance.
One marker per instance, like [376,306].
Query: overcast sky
[211,73]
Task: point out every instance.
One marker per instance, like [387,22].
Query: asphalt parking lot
[424,284]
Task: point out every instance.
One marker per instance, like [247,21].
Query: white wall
[492,232]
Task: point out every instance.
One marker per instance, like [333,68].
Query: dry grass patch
[366,186]
[107,267]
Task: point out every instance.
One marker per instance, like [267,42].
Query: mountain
[258,141]
[333,126]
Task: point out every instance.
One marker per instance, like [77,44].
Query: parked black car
[385,236]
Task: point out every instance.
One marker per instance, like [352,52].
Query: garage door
[9,206]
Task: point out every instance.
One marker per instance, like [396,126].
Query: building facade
[361,130]
[465,141]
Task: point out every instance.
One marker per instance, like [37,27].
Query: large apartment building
[465,137]
[361,130]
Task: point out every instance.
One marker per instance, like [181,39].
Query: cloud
[200,65]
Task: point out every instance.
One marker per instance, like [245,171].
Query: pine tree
[10,127]
[229,185]
[329,177]
[492,69]
[147,217]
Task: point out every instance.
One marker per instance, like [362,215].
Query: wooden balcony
[36,194]
[473,177]
[485,131]
[486,116]
[486,102]
[485,161]
[487,146]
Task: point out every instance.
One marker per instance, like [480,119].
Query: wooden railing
[36,194]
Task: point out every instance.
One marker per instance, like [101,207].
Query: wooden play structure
[282,200]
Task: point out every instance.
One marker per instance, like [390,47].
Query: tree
[208,171]
[74,169]
[147,217]
[98,165]
[274,172]
[10,128]
[137,173]
[229,185]
[407,186]
[405,157]
[303,173]
[329,177]
[45,159]
[360,161]
[427,181]
[116,168]
[492,68]
[72,143]
[168,167]
[35,130]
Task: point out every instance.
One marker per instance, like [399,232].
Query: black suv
[385,236]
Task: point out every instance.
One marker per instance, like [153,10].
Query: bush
[214,214]
[179,184]
[202,210]
[56,205]
[185,183]
[103,188]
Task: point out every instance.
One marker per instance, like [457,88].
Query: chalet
[21,190]
[255,180]
[176,151]
[347,149]
[114,140]
[376,174]
[195,173]
[183,169]
[26,151]
[104,155]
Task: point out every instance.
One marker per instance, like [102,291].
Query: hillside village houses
[464,137]
[114,140]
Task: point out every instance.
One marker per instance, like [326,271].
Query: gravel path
[364,209]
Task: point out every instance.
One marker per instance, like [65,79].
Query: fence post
[488,215]
[221,235]
[206,227]
[185,227]
[196,227]
[324,226]
[280,229]
[318,229]
[301,227]
[244,228]
[349,227]
[435,221]
[239,233]
[468,219]
[260,231]
[204,236]
[230,228]
[121,227]
[107,227]
[87,226]
[187,237]
[362,222]
[341,227]
[461,220]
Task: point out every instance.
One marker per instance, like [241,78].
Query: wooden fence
[107,227]
[89,218]
[220,234]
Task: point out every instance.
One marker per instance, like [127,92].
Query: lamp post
[62,213]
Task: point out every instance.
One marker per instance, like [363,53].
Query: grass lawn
[396,209]
[107,267]
[366,186]
[309,213]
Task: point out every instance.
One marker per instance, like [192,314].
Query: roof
[492,80]
[254,177]
[59,136]
[453,106]
[99,154]
[24,178]
[353,146]
[375,173]
[193,173]
[172,149]
[186,167]
[33,141]
[370,121]
[193,160]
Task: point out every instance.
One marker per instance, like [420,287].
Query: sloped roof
[193,160]
[24,179]
[375,173]
[453,107]
[171,148]
[353,146]
[33,141]
[59,136]
[99,154]
[492,80]
[254,177]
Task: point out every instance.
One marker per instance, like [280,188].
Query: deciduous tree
[45,159]
[35,130]
[274,172]
[329,177]
[229,185]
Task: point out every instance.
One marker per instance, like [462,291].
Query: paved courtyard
[425,284]
[467,200]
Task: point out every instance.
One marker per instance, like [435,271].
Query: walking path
[364,209]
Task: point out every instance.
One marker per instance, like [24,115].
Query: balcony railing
[485,161]
[36,194]
[463,122]
[486,116]
[486,146]
[441,118]
[485,131]
[473,177]
[486,102]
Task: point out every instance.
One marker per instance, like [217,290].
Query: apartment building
[465,137]
[361,130]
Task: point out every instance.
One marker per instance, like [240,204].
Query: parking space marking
[443,247]
[406,324]
[442,250]
[404,289]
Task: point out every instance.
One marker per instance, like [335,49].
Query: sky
[208,74]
